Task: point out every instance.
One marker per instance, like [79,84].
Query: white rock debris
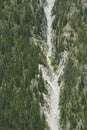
[52,112]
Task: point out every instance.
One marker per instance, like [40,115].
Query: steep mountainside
[70,34]
[21,24]
[43,64]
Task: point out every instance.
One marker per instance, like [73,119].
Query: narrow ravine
[52,113]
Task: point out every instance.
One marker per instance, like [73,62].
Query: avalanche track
[52,114]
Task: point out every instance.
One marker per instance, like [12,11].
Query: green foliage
[74,91]
[19,58]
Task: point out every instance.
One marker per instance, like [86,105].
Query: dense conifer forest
[71,35]
[20,23]
[23,28]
